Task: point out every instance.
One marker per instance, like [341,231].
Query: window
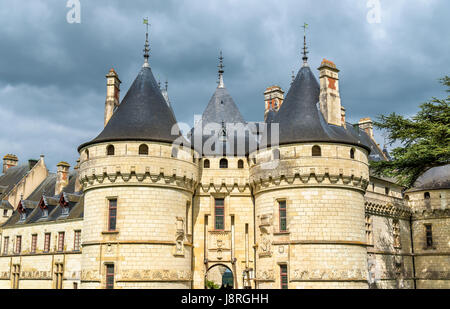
[282,212]
[219,214]
[16,276]
[33,243]
[224,163]
[5,212]
[352,153]
[87,154]
[18,244]
[65,210]
[59,273]
[23,216]
[387,190]
[427,198]
[77,241]
[112,215]
[369,230]
[110,151]
[47,242]
[396,233]
[283,277]
[60,241]
[316,151]
[75,285]
[240,164]
[429,235]
[5,246]
[110,276]
[206,164]
[44,213]
[143,149]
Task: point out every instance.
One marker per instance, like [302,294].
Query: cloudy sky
[52,73]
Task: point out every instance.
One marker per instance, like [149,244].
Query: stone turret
[138,186]
[309,193]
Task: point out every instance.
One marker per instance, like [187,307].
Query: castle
[286,203]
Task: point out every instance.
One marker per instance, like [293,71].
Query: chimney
[112,94]
[9,160]
[330,100]
[273,99]
[366,124]
[78,186]
[62,177]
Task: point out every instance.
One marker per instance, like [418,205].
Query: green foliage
[424,140]
[212,285]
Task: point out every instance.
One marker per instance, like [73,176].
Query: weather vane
[147,46]
[305,48]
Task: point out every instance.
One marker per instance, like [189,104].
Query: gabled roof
[11,177]
[300,119]
[143,115]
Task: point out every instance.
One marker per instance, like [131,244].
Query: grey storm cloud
[52,73]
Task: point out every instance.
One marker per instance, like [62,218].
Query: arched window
[110,150]
[174,152]
[206,164]
[87,154]
[316,151]
[352,153]
[276,154]
[143,149]
[224,163]
[240,164]
[427,197]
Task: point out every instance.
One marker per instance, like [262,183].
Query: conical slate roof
[220,115]
[300,119]
[436,178]
[143,115]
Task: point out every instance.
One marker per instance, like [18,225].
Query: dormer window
[23,216]
[44,213]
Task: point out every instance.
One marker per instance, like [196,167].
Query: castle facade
[286,203]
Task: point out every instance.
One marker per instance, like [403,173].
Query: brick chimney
[330,100]
[366,124]
[62,177]
[112,94]
[9,160]
[273,99]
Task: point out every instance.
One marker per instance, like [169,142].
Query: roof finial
[293,77]
[221,71]
[147,46]
[305,48]
[167,85]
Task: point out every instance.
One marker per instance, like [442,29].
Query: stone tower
[223,205]
[309,198]
[138,186]
[428,199]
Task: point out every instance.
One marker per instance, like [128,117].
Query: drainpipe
[412,252]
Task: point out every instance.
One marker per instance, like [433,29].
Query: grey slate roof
[433,179]
[44,193]
[300,119]
[12,176]
[219,119]
[143,115]
[376,154]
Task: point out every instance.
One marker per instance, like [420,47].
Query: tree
[424,140]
